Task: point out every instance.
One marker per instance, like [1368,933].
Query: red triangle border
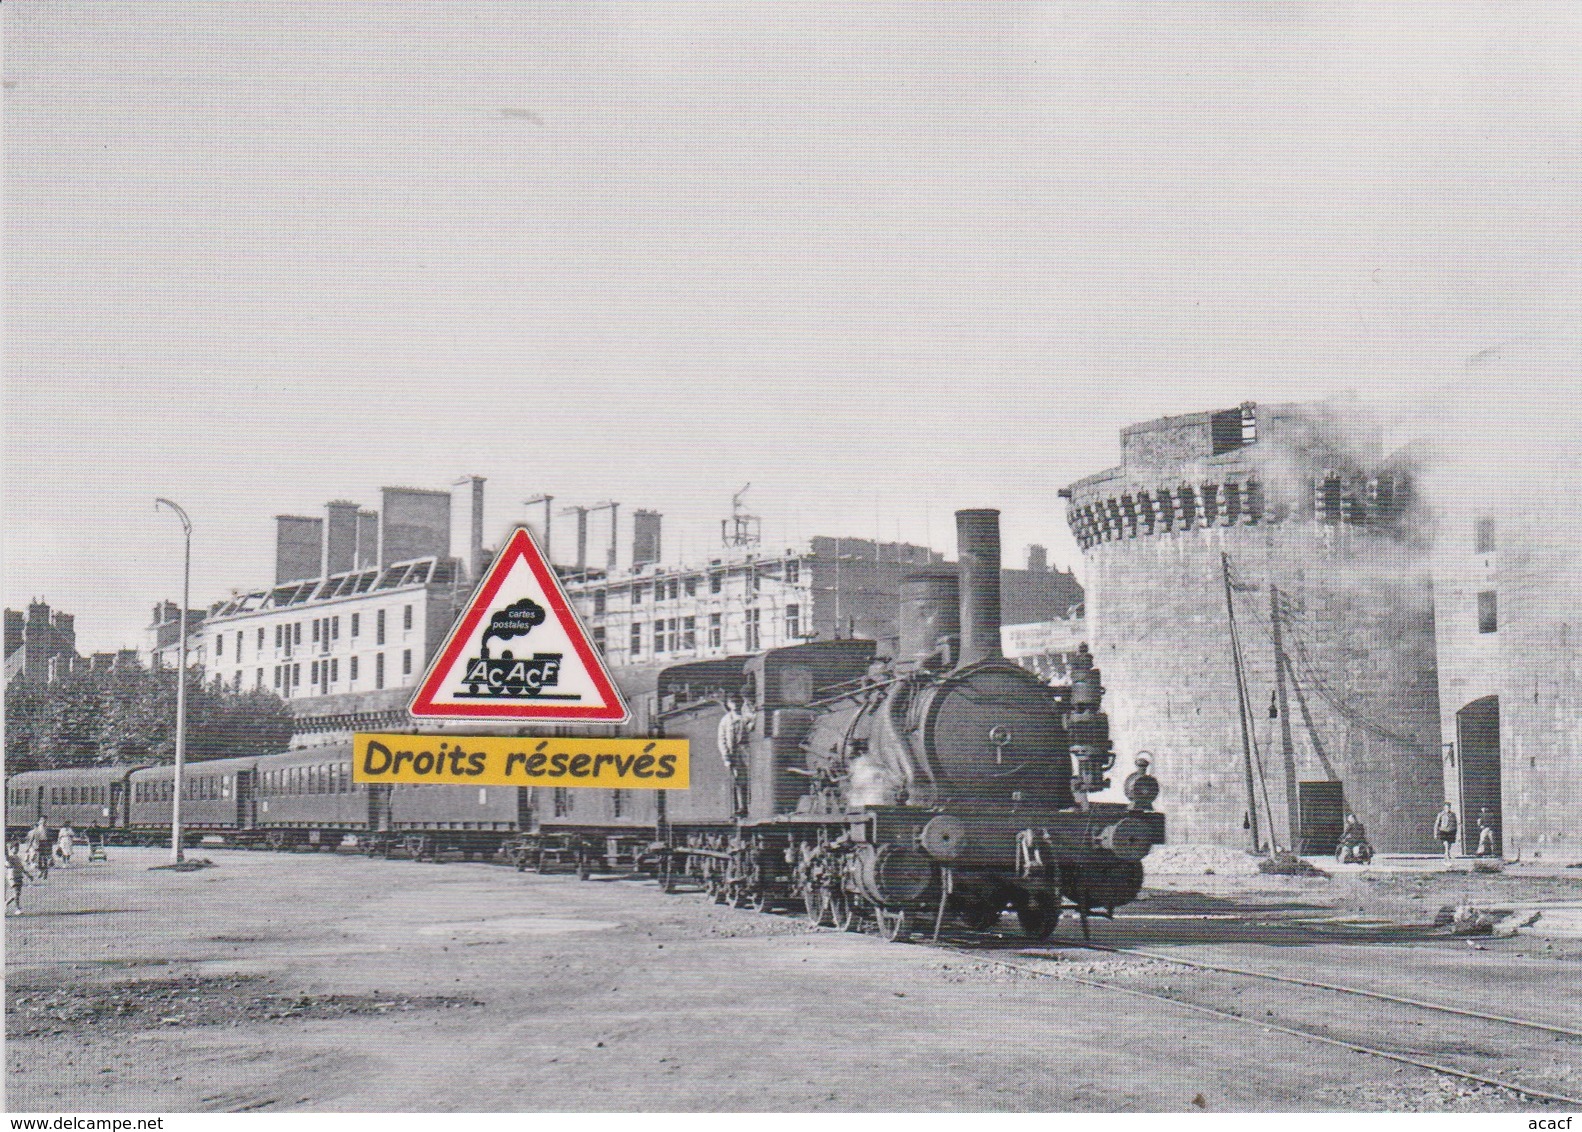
[519,546]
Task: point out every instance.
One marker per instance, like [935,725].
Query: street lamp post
[176,854]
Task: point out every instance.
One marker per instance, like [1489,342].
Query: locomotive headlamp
[1000,736]
[1141,787]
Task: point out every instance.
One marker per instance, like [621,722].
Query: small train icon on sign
[508,675]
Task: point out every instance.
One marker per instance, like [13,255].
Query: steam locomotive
[943,782]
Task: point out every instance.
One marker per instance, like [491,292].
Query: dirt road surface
[318,982]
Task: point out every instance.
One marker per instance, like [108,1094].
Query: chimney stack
[367,555]
[413,523]
[645,537]
[298,548]
[340,537]
[1038,559]
[978,559]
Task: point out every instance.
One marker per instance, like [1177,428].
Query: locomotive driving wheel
[814,904]
[758,900]
[1039,914]
[843,911]
[892,923]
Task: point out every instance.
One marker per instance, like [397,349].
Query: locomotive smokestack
[930,615]
[978,555]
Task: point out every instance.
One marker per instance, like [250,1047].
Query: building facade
[361,602]
[744,600]
[1508,609]
[1260,606]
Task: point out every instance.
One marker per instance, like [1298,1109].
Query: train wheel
[1038,915]
[981,915]
[813,904]
[758,900]
[892,923]
[844,911]
[276,839]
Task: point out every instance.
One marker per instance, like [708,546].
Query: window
[793,621]
[351,669]
[379,670]
[1488,612]
[379,628]
[637,638]
[1485,535]
[238,644]
[716,631]
[315,630]
[219,644]
[716,581]
[277,675]
[335,628]
[689,634]
[675,588]
[296,633]
[296,675]
[751,643]
[793,571]
[258,680]
[335,671]
[752,581]
[562,801]
[260,640]
[637,594]
[691,585]
[617,803]
[598,601]
[406,617]
[278,629]
[598,638]
[406,662]
[356,618]
[1233,428]
[313,672]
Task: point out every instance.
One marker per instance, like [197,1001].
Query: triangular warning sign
[519,652]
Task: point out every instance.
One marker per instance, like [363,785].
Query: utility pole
[1241,702]
[546,500]
[1287,749]
[177,853]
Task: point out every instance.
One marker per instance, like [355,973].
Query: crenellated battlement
[1103,511]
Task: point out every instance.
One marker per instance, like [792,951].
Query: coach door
[1478,736]
[246,799]
[378,806]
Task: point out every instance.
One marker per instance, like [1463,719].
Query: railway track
[1473,1047]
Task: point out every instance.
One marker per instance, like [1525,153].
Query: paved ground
[302,982]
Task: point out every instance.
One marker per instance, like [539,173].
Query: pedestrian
[1485,833]
[1446,827]
[64,844]
[35,849]
[15,877]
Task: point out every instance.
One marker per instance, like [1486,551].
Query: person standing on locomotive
[731,739]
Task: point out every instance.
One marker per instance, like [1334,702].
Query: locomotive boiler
[945,781]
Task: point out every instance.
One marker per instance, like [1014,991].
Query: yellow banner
[495,760]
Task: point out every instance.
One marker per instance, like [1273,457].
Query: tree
[129,715]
